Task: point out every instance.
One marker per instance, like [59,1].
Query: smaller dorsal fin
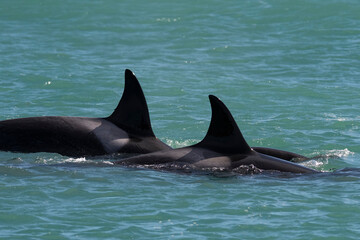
[132,114]
[223,134]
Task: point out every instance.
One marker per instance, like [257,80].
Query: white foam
[180,144]
[339,153]
[76,160]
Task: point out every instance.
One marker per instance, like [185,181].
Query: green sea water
[289,71]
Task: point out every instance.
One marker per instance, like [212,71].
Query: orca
[126,130]
[223,147]
[289,156]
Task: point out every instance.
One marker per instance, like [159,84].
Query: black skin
[223,147]
[289,156]
[126,130]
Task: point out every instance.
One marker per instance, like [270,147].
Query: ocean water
[288,71]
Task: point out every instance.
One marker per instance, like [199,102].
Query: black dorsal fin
[132,113]
[223,134]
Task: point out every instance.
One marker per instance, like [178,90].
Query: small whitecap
[108,162]
[76,160]
[333,117]
[342,119]
[168,19]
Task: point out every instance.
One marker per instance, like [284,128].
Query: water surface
[287,70]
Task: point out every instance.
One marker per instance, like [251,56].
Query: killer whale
[126,130]
[223,147]
[289,156]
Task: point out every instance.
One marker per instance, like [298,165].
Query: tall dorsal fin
[223,134]
[132,114]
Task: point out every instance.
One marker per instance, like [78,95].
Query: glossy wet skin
[223,147]
[72,136]
[126,130]
[289,156]
[204,159]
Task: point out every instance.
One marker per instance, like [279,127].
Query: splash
[340,153]
[76,160]
[335,153]
[247,169]
[83,160]
[180,144]
[317,164]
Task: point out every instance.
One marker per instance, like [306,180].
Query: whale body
[223,147]
[126,130]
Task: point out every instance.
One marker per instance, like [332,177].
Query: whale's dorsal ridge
[223,134]
[132,113]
